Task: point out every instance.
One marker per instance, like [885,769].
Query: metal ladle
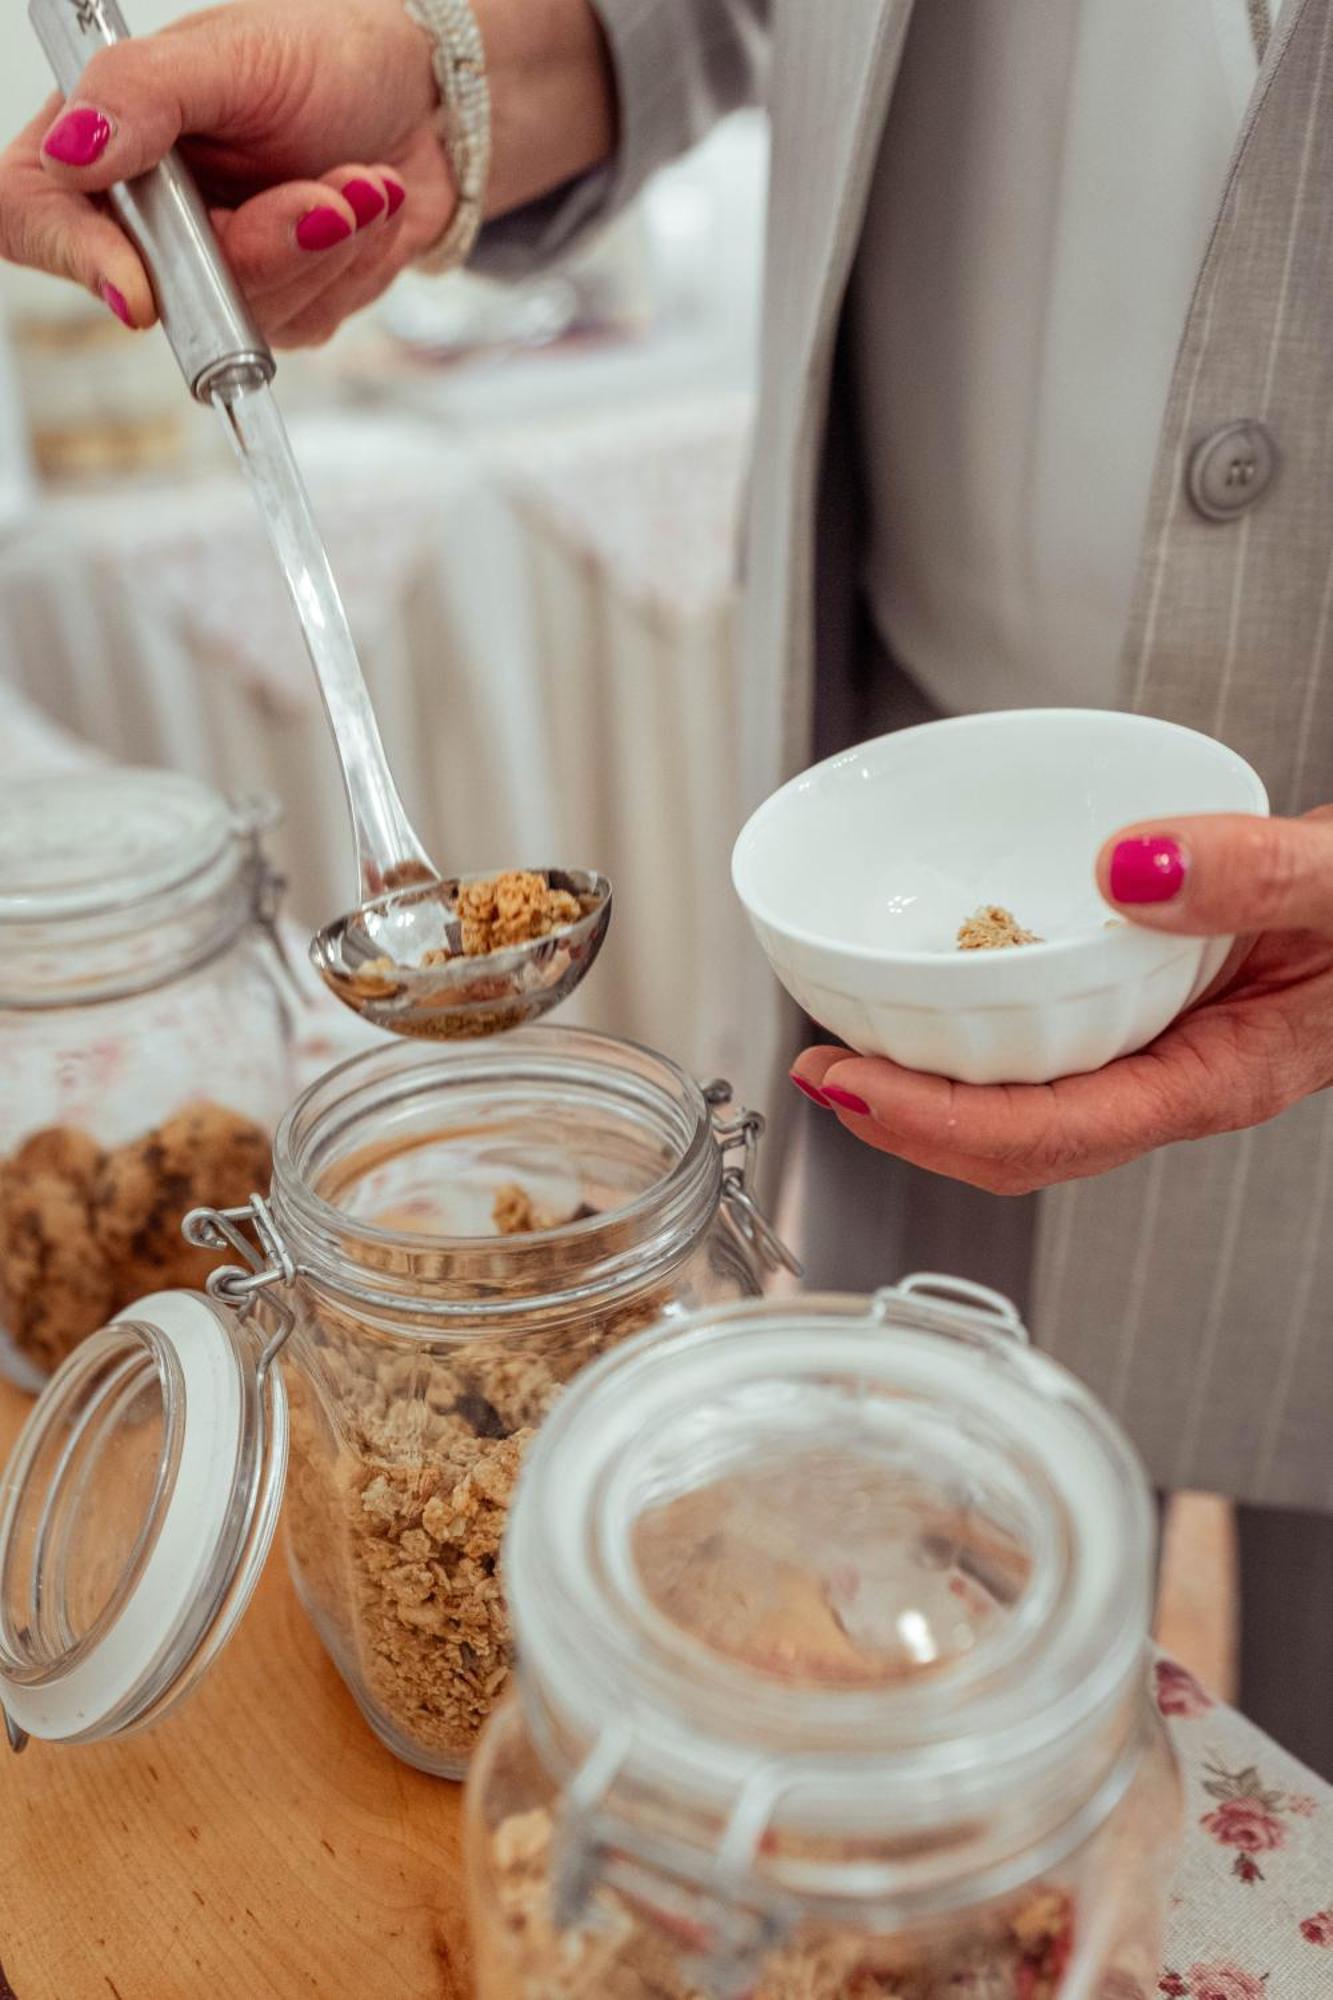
[408,908]
[372,958]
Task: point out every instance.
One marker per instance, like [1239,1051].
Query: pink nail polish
[365,200]
[809,1090]
[1150,869]
[321,228]
[845,1101]
[78,137]
[395,194]
[116,300]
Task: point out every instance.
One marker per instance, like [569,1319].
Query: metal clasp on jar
[721,1935]
[955,1305]
[269,1266]
[253,816]
[736,1129]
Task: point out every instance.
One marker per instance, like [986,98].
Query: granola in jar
[403,1515]
[475,1227]
[1017,1950]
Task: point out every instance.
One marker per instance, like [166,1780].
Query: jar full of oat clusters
[832,1620]
[144,1042]
[453,1232]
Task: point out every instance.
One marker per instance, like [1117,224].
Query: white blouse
[1050,174]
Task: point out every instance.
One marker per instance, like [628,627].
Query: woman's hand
[309,126]
[1258,1042]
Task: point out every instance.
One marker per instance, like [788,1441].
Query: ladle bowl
[455,997]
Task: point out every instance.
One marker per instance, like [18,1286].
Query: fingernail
[1150,869]
[395,194]
[845,1101]
[321,229]
[79,137]
[116,301]
[809,1090]
[365,200]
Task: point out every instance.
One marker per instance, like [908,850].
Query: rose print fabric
[1252,1911]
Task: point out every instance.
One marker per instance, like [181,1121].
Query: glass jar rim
[1062,1692]
[435,1280]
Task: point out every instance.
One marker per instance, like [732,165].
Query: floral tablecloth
[1252,1909]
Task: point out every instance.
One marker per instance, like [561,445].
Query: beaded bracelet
[459,61]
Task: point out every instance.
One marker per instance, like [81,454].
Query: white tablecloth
[547,619]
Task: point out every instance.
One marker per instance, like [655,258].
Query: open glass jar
[832,1627]
[144,1042]
[453,1231]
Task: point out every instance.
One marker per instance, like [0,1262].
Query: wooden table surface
[259,1842]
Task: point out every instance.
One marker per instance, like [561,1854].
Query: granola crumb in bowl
[993,928]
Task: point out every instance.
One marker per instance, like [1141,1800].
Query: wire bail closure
[953,1304]
[253,815]
[735,1127]
[726,1939]
[265,1269]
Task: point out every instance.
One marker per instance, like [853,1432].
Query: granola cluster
[993,928]
[1018,1951]
[85,1230]
[512,909]
[403,1468]
[503,910]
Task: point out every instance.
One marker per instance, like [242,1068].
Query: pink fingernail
[116,301]
[395,194]
[78,137]
[815,1096]
[1150,869]
[364,199]
[322,228]
[845,1101]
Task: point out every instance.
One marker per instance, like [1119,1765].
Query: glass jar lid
[135,1517]
[835,1591]
[112,879]
[94,840]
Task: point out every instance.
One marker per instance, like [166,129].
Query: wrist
[553,96]
[403,51]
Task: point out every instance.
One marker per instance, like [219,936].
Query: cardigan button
[1231,468]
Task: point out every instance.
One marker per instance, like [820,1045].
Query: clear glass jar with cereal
[452,1233]
[144,1042]
[474,1224]
[832,1621]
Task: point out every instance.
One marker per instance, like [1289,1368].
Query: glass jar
[144,1042]
[832,1625]
[453,1231]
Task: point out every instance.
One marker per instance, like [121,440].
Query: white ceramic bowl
[857,874]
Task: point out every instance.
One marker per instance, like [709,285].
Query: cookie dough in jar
[144,1043]
[832,1625]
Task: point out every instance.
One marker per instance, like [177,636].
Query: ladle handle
[203,314]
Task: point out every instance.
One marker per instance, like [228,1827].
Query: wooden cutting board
[259,1842]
